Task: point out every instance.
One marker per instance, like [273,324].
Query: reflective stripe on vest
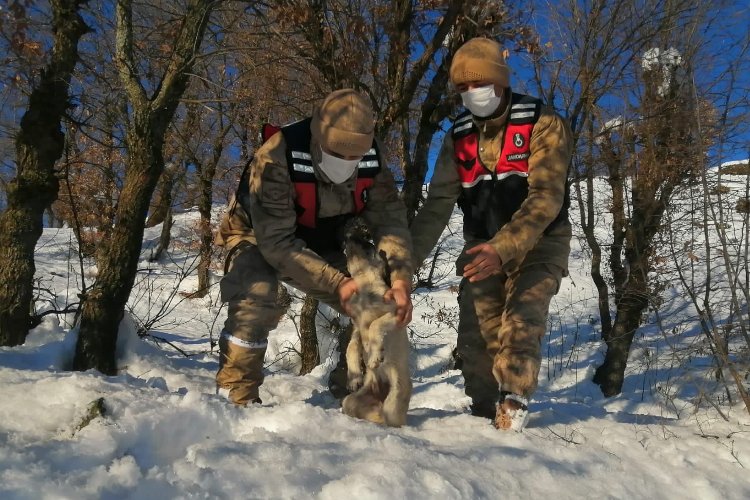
[297,136]
[514,157]
[489,198]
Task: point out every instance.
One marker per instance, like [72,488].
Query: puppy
[377,356]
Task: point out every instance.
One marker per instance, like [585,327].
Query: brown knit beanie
[344,123]
[480,59]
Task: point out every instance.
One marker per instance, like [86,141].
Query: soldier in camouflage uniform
[505,162]
[287,221]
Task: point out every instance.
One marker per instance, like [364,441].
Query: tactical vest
[489,199]
[297,137]
[319,234]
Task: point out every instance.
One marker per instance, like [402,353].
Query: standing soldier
[505,162]
[287,222]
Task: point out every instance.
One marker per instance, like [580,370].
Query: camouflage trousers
[250,289]
[502,321]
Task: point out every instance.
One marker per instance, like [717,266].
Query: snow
[656,58]
[165,434]
[610,127]
[667,61]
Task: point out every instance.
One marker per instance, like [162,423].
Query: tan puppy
[381,392]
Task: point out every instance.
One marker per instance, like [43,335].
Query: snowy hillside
[164,434]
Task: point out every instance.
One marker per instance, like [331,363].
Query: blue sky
[724,56]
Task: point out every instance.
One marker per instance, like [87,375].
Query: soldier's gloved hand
[400,293]
[485,264]
[346,289]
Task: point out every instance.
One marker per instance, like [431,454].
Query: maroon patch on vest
[465,150]
[268,131]
[306,199]
[514,157]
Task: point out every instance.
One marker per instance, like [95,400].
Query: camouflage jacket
[523,240]
[272,220]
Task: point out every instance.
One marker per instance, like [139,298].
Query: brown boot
[240,369]
[512,412]
[240,397]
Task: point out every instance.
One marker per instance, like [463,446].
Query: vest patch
[518,157]
[489,198]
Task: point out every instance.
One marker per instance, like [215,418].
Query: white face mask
[337,169]
[481,101]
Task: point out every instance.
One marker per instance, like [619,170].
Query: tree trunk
[39,145]
[118,259]
[162,212]
[206,253]
[611,374]
[164,238]
[588,222]
[433,111]
[206,234]
[337,380]
[633,295]
[588,227]
[206,183]
[55,222]
[620,220]
[162,207]
[118,262]
[308,336]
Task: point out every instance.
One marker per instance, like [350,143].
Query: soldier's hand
[400,293]
[485,264]
[345,291]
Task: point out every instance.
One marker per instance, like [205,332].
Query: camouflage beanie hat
[344,123]
[480,59]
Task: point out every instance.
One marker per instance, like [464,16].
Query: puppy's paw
[355,381]
[375,359]
[374,362]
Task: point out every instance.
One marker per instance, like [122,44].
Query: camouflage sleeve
[274,221]
[551,149]
[385,216]
[445,187]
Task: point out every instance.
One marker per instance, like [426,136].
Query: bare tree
[163,210]
[709,233]
[660,151]
[203,139]
[161,206]
[642,139]
[39,144]
[594,46]
[309,353]
[149,118]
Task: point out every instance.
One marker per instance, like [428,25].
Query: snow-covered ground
[164,434]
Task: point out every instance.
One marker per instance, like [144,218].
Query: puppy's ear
[385,269]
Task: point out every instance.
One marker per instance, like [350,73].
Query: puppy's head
[360,254]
